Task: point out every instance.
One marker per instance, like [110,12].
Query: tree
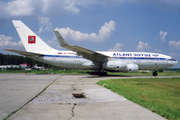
[160,70]
[16,60]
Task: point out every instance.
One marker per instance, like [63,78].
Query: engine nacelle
[114,65]
[91,64]
[132,68]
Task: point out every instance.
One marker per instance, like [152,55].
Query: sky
[98,25]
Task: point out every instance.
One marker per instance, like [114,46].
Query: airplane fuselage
[144,60]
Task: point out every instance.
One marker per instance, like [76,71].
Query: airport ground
[50,96]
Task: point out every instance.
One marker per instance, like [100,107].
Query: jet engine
[132,68]
[120,66]
[114,66]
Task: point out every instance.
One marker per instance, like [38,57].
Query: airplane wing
[28,54]
[85,53]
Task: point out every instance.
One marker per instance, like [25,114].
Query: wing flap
[88,54]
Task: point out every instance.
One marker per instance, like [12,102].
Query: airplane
[85,59]
[36,67]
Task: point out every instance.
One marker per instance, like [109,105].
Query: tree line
[16,60]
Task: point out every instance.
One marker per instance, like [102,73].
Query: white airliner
[85,59]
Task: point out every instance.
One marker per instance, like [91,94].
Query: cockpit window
[173,59]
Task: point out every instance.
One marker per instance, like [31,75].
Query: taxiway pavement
[46,97]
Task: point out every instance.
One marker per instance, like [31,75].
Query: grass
[160,95]
[144,73]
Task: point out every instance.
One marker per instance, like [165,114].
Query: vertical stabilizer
[30,40]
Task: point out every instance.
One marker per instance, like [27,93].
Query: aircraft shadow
[93,76]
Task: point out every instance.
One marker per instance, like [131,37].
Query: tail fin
[31,41]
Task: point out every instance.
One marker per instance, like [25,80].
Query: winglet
[60,39]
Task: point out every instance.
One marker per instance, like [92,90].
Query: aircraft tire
[155,73]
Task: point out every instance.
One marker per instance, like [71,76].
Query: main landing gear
[154,73]
[99,72]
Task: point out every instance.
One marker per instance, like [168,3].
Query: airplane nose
[175,63]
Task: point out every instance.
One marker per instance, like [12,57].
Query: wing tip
[8,49]
[61,40]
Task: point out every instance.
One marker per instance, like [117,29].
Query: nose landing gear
[154,73]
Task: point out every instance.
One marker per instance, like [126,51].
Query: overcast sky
[99,25]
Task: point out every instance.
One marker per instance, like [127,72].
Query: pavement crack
[74,103]
[73,111]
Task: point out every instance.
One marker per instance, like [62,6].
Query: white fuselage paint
[144,60]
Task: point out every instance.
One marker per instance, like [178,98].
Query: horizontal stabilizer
[28,54]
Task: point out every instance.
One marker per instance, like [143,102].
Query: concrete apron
[58,103]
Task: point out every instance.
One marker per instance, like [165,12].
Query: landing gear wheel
[93,73]
[155,73]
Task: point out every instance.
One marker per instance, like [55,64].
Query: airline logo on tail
[31,39]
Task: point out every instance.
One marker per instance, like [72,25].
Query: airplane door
[54,56]
[156,65]
[166,60]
